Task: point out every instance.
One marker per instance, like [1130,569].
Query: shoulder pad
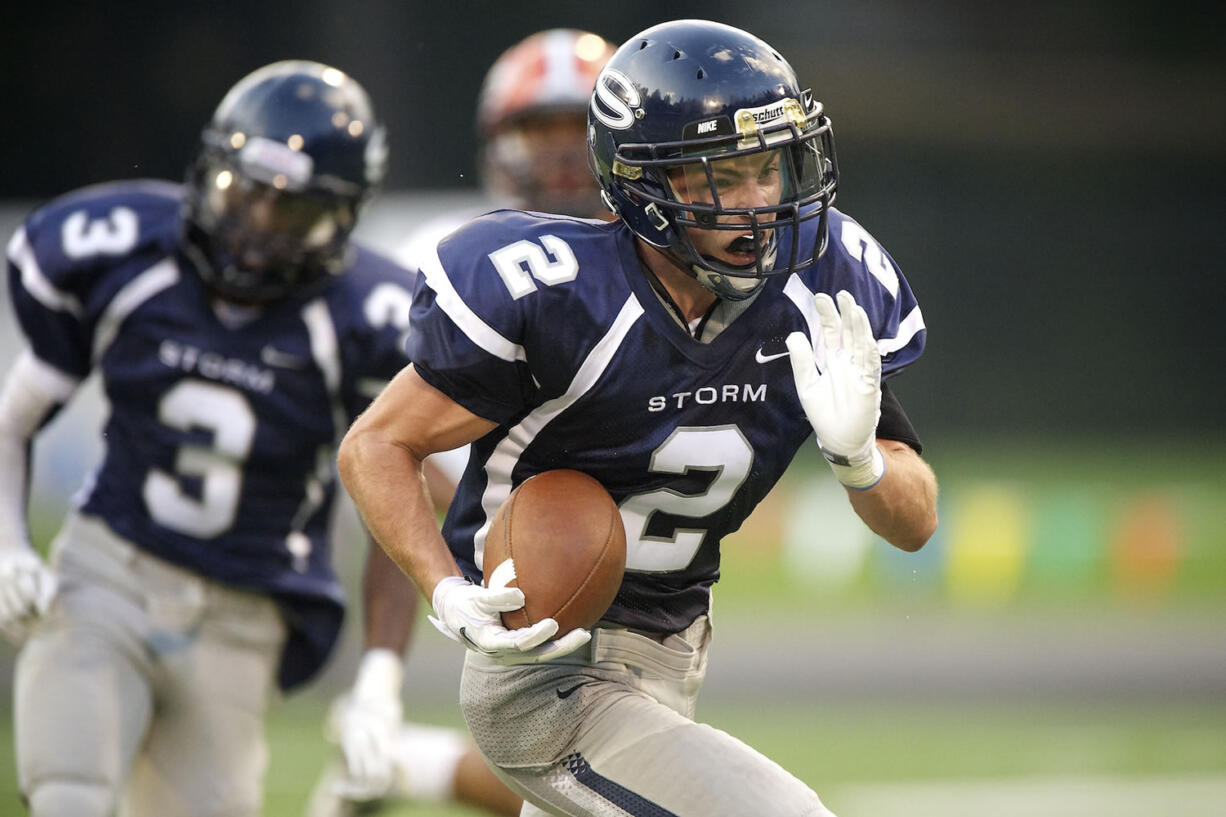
[68,241]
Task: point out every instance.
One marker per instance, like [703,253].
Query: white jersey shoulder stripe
[21,254]
[502,461]
[128,299]
[325,350]
[799,294]
[908,328]
[453,306]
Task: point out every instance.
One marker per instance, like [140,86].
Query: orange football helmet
[532,126]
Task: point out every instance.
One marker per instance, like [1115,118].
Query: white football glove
[471,615]
[27,588]
[365,722]
[842,401]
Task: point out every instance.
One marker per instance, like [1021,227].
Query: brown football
[564,535]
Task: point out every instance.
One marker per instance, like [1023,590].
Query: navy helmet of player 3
[290,156]
[674,114]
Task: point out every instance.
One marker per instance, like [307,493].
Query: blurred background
[1051,179]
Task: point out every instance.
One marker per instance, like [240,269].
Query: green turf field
[1084,759]
[884,755]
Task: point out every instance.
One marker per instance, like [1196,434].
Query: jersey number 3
[227,416]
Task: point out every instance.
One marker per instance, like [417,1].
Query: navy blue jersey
[221,434]
[548,325]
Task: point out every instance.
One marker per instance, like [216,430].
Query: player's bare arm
[389,603]
[902,507]
[380,462]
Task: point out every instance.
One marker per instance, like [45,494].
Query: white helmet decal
[614,112]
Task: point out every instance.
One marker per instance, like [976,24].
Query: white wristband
[380,674]
[860,473]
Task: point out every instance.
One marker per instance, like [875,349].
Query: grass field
[887,758]
[894,758]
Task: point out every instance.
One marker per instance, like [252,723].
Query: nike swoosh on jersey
[761,358]
[272,356]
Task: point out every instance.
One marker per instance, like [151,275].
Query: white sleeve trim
[800,295]
[21,254]
[30,391]
[911,324]
[160,276]
[325,349]
[908,328]
[453,306]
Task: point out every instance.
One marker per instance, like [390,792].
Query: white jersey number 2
[722,450]
[520,263]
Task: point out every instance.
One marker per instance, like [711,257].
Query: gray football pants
[145,686]
[609,732]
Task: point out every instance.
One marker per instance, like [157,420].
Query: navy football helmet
[292,153]
[679,103]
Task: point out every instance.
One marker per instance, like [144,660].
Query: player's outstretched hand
[27,588]
[365,722]
[471,615]
[843,399]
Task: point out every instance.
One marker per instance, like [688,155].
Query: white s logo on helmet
[610,107]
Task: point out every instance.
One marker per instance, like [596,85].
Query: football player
[236,331]
[681,355]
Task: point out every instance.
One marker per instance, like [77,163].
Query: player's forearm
[29,394]
[902,507]
[386,483]
[389,603]
[13,452]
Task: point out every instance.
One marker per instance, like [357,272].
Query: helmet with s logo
[678,103]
